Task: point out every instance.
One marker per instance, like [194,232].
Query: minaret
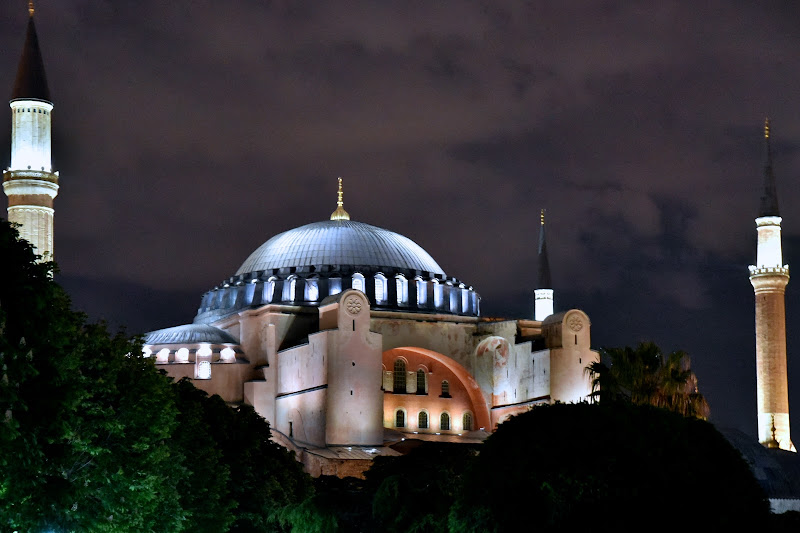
[543,295]
[30,183]
[769,277]
[340,213]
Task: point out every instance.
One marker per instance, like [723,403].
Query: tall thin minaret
[769,277]
[543,295]
[30,183]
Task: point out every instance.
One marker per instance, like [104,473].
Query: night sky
[188,133]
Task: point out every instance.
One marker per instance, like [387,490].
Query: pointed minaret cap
[340,213]
[769,200]
[31,82]
[544,264]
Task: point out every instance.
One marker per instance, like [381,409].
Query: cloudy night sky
[188,133]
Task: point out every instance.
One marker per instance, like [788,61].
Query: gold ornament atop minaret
[541,217]
[30,7]
[340,213]
[766,128]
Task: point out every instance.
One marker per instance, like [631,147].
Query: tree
[86,418]
[414,492]
[94,438]
[645,376]
[205,489]
[607,466]
[266,481]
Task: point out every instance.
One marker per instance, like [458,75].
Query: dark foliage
[614,466]
[95,439]
[414,492]
[86,419]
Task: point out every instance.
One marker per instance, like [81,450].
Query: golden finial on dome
[340,213]
[766,128]
[30,7]
[541,217]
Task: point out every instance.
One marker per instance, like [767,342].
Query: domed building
[349,338]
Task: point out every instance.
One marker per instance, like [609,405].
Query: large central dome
[305,265]
[340,242]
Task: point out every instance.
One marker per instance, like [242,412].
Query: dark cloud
[189,133]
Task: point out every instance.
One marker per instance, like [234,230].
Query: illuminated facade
[348,338]
[30,182]
[769,277]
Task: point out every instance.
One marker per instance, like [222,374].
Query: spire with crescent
[769,199]
[544,263]
[31,81]
[340,213]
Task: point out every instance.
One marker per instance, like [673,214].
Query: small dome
[189,334]
[339,242]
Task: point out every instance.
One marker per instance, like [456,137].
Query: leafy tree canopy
[94,438]
[84,436]
[608,466]
[646,376]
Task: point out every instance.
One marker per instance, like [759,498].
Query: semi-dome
[303,266]
[340,242]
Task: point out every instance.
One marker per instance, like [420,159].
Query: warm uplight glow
[204,350]
[182,355]
[227,354]
[147,351]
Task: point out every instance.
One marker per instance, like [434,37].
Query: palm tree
[644,375]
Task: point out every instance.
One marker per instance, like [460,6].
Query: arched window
[423,420]
[182,355]
[203,370]
[312,289]
[438,293]
[446,388]
[400,418]
[422,292]
[400,376]
[358,282]
[452,293]
[402,289]
[162,356]
[380,288]
[444,422]
[269,290]
[467,422]
[289,289]
[335,285]
[421,382]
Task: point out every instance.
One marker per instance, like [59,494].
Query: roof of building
[776,470]
[189,334]
[31,81]
[339,242]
